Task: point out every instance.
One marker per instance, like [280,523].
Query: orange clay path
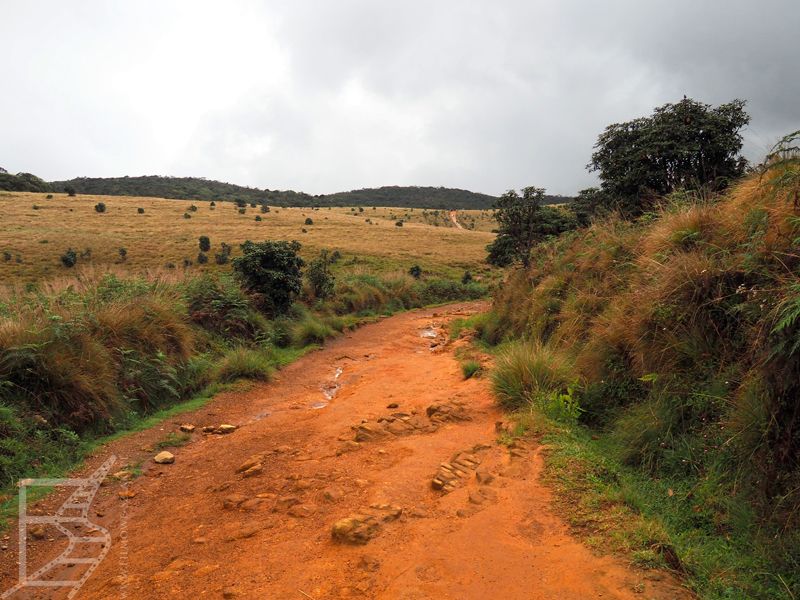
[198,529]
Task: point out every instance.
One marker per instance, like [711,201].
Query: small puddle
[329,390]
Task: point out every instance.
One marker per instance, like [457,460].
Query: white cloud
[322,96]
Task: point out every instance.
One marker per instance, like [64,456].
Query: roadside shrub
[319,276]
[219,305]
[100,207]
[270,272]
[470,368]
[205,243]
[244,363]
[528,371]
[68,259]
[436,291]
[310,330]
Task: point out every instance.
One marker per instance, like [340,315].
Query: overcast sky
[330,95]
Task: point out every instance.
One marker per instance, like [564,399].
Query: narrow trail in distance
[454,219]
[377,434]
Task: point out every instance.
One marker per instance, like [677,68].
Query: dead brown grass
[162,235]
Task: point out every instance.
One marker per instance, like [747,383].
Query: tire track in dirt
[402,458]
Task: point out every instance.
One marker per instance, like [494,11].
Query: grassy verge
[655,522]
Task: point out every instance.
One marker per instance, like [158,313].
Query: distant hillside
[198,188]
[22,182]
[183,188]
[409,196]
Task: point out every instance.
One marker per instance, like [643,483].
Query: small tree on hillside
[517,217]
[686,145]
[271,271]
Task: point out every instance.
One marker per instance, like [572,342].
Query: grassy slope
[677,337]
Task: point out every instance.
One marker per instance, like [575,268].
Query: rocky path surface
[369,469]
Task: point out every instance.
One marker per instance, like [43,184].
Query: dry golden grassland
[477,220]
[35,238]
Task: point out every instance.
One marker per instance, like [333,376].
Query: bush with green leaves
[69,259]
[258,218]
[205,243]
[123,254]
[309,221]
[192,208]
[320,277]
[466,277]
[140,210]
[415,271]
[202,258]
[186,215]
[70,190]
[242,211]
[686,145]
[7,256]
[271,273]
[398,223]
[49,197]
[100,207]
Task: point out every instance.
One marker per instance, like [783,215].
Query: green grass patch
[470,368]
[659,523]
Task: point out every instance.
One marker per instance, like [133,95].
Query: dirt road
[454,219]
[250,514]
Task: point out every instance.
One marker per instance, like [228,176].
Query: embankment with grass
[100,353]
[660,359]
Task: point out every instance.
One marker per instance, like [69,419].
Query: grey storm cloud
[326,95]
